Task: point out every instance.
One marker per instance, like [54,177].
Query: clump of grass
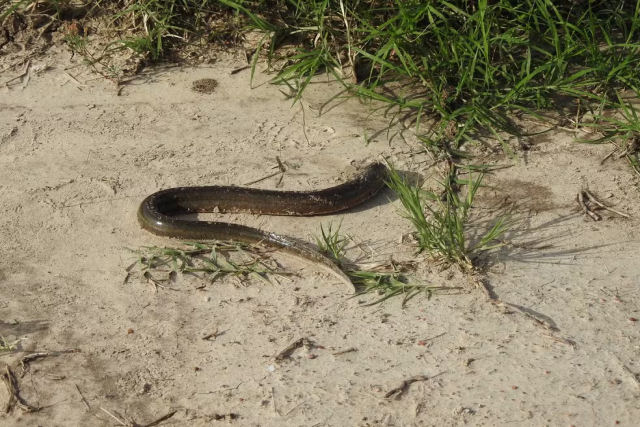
[469,65]
[205,260]
[331,243]
[392,284]
[387,281]
[441,221]
[152,28]
[622,129]
[6,346]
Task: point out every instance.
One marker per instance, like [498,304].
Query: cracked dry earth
[561,348]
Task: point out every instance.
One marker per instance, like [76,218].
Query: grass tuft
[471,66]
[387,281]
[204,260]
[6,346]
[393,284]
[440,222]
[331,243]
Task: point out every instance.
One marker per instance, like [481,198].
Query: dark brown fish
[158,212]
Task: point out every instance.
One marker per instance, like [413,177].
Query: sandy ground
[76,159]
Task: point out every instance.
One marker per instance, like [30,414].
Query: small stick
[11,383]
[24,362]
[122,423]
[282,170]
[349,350]
[21,75]
[161,419]
[602,205]
[237,70]
[76,81]
[273,399]
[404,386]
[262,179]
[594,216]
[284,354]
[608,155]
[157,283]
[82,397]
[213,335]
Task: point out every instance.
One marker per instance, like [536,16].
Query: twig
[21,75]
[399,391]
[24,362]
[282,170]
[129,272]
[284,354]
[237,70]
[273,400]
[608,155]
[349,350]
[76,81]
[593,199]
[263,178]
[594,216]
[213,335]
[493,298]
[147,275]
[11,383]
[82,397]
[122,423]
[161,419]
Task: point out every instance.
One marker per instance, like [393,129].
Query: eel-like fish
[158,213]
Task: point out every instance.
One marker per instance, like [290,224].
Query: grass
[210,261]
[441,221]
[387,280]
[463,69]
[331,243]
[622,130]
[6,346]
[472,67]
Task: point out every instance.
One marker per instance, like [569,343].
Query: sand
[559,345]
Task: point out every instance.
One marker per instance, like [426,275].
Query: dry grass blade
[13,389]
[399,391]
[593,199]
[288,350]
[589,204]
[582,202]
[161,419]
[385,279]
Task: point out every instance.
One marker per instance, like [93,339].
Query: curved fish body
[159,213]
